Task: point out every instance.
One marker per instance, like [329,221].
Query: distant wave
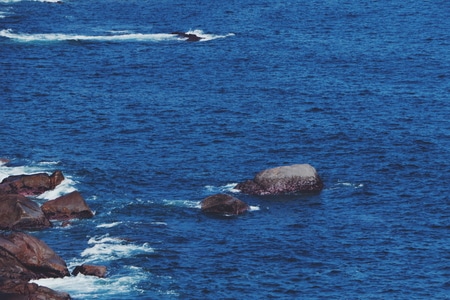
[113,37]
[47,1]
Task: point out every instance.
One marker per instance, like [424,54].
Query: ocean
[146,124]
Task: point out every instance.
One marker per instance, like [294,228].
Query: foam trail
[52,37]
[113,37]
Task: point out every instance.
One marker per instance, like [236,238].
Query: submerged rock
[28,185]
[70,206]
[19,212]
[222,204]
[283,180]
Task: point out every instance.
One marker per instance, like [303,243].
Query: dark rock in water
[19,212]
[222,204]
[283,180]
[3,161]
[189,36]
[34,184]
[70,206]
[25,257]
[99,271]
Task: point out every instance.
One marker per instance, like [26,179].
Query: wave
[221,189]
[44,1]
[182,203]
[106,248]
[94,287]
[112,37]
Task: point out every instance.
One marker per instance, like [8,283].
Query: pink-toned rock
[34,258]
[30,185]
[222,204]
[19,212]
[23,290]
[70,206]
[90,270]
[283,180]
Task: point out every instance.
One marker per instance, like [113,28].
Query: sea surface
[146,124]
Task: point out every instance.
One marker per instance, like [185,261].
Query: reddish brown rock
[99,271]
[222,204]
[283,180]
[3,161]
[22,290]
[29,185]
[70,206]
[19,212]
[29,258]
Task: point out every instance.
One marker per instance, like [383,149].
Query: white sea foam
[65,187]
[113,37]
[91,287]
[6,171]
[220,189]
[108,225]
[254,208]
[182,203]
[106,248]
[208,36]
[49,37]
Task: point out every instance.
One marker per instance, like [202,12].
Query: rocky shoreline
[24,257]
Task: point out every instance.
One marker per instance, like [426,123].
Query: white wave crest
[109,225]
[208,36]
[91,287]
[49,37]
[106,248]
[182,203]
[112,37]
[220,189]
[65,187]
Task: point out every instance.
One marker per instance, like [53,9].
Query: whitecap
[208,36]
[230,187]
[106,248]
[182,203]
[112,37]
[6,171]
[89,287]
[52,37]
[65,187]
[254,208]
[108,225]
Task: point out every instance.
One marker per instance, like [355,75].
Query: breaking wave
[121,36]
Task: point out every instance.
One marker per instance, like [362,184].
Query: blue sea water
[145,125]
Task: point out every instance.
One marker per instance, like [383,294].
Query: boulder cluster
[284,180]
[24,257]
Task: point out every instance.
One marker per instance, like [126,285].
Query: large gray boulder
[18,212]
[283,180]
